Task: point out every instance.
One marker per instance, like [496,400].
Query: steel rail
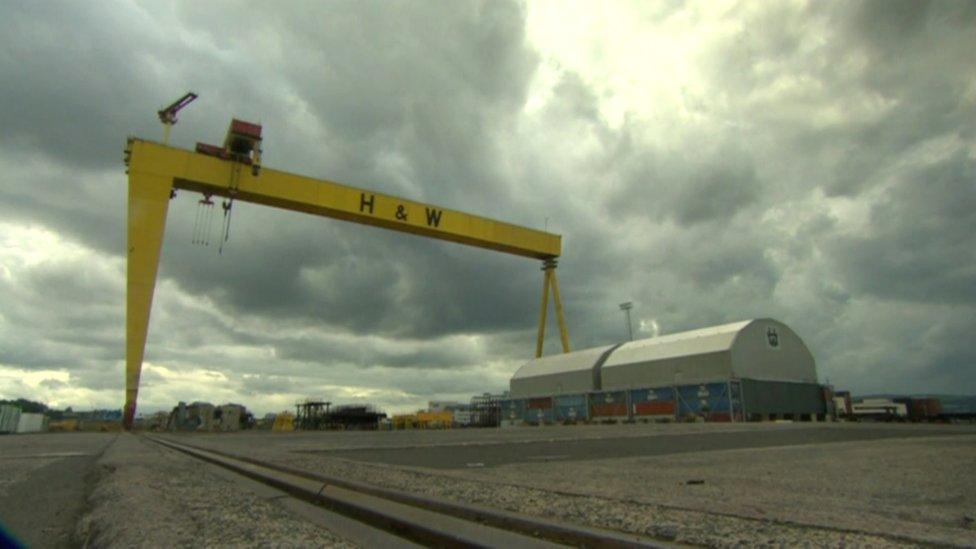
[432,522]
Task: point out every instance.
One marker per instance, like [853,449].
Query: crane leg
[563,334]
[148,202]
[540,338]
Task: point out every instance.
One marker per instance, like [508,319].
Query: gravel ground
[149,496]
[20,455]
[863,494]
[45,480]
[13,471]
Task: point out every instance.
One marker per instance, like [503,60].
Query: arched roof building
[774,366]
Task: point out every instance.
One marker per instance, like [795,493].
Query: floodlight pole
[626,307]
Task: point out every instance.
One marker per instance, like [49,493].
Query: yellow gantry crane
[234,171]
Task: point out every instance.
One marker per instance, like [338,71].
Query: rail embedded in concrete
[420,519]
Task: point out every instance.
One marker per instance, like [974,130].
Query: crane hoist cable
[228,205]
[204,221]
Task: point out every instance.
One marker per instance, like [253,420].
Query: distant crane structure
[167,115]
[155,171]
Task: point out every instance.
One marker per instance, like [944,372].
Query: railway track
[413,519]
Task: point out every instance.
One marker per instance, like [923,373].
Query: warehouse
[751,370]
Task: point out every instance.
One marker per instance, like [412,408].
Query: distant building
[879,408]
[443,405]
[229,417]
[486,409]
[32,423]
[843,403]
[462,418]
[9,418]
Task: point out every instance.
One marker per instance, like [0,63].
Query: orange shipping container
[654,408]
[612,409]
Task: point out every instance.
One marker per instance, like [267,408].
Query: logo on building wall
[772,337]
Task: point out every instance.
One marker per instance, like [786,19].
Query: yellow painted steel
[543,310]
[549,281]
[148,203]
[207,174]
[563,334]
[155,169]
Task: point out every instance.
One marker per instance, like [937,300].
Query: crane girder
[209,175]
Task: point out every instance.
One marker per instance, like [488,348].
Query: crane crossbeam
[210,175]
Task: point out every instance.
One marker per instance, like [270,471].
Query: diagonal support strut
[549,281]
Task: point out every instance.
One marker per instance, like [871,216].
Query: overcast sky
[709,161]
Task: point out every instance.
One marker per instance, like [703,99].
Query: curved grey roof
[557,364]
[763,349]
[695,342]
[568,373]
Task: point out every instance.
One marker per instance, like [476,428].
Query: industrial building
[203,416]
[12,420]
[312,415]
[745,371]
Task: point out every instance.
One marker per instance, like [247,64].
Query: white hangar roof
[763,349]
[558,364]
[568,373]
[695,342]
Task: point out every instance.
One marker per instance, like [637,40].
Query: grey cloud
[51,383]
[919,244]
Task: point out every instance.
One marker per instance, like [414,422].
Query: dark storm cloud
[919,244]
[704,183]
[59,314]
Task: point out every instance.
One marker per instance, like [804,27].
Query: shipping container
[703,399]
[658,401]
[570,400]
[539,416]
[570,414]
[609,404]
[512,411]
[32,423]
[735,401]
[9,418]
[462,417]
[921,409]
[719,417]
[543,403]
[655,408]
[569,408]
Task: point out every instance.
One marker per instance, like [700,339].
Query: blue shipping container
[609,397]
[703,399]
[650,395]
[538,415]
[512,409]
[570,400]
[570,413]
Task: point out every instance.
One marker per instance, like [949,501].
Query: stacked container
[32,423]
[539,411]
[512,412]
[608,405]
[653,403]
[570,408]
[707,400]
[9,418]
